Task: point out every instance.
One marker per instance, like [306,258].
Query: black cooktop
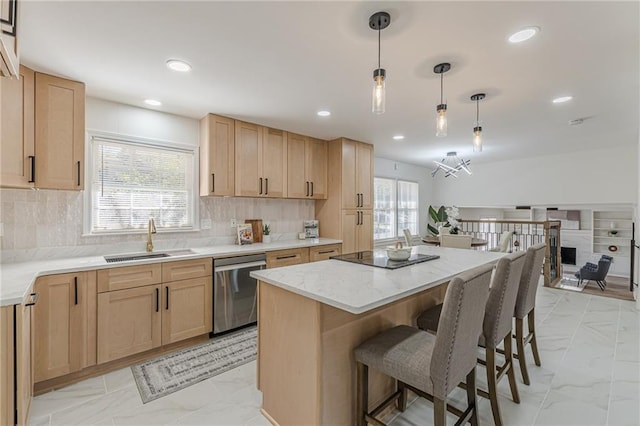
[380,259]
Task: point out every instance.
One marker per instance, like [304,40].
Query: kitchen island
[312,316]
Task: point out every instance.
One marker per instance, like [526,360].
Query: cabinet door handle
[78,173]
[307,188]
[358,200]
[34,299]
[213,182]
[266,186]
[33,168]
[312,189]
[260,185]
[166,301]
[157,300]
[326,251]
[75,285]
[290,256]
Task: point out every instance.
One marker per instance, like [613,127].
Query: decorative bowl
[394,253]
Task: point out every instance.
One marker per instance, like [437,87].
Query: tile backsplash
[48,224]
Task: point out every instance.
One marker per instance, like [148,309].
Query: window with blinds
[395,207]
[132,182]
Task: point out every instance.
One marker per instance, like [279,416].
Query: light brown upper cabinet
[9,53]
[261,161]
[357,175]
[306,167]
[59,134]
[217,155]
[17,150]
[64,323]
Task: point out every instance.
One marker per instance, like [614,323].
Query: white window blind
[132,182]
[395,207]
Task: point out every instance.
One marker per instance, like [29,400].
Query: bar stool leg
[520,346]
[511,375]
[439,412]
[534,343]
[493,386]
[402,400]
[472,396]
[362,393]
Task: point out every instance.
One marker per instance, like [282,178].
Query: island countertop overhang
[359,288]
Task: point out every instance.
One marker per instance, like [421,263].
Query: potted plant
[444,217]
[266,233]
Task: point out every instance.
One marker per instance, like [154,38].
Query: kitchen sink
[127,257]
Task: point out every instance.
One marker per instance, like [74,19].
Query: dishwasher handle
[239,266]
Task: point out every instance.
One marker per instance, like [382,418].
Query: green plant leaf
[433,214]
[432,230]
[442,214]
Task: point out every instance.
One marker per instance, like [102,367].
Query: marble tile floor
[590,375]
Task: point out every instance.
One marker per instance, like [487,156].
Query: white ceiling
[277,63]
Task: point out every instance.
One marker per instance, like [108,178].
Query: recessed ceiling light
[178,65]
[324,113]
[152,102]
[562,99]
[523,35]
[398,137]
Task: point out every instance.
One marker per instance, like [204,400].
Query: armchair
[597,273]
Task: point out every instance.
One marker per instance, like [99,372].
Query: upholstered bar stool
[431,366]
[497,327]
[525,307]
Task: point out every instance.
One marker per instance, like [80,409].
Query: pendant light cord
[477,112]
[379,43]
[441,86]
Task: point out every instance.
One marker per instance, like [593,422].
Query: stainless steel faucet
[151,229]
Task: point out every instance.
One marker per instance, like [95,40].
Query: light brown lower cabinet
[64,324]
[129,321]
[139,319]
[319,253]
[187,309]
[276,259]
[7,366]
[16,363]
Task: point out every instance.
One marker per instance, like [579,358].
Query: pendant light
[379,21]
[441,119]
[477,129]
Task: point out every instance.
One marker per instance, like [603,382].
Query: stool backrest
[456,346]
[502,298]
[529,282]
[455,241]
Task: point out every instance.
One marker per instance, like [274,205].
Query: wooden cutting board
[256,226]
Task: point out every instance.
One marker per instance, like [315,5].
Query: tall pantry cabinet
[347,213]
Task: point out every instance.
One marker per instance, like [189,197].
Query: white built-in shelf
[606,221]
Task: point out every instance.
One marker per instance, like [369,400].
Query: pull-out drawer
[185,269]
[324,252]
[129,277]
[275,259]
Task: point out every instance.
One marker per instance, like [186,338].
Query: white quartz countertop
[16,279]
[359,288]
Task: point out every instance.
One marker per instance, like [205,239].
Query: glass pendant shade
[378,95]
[441,121]
[477,139]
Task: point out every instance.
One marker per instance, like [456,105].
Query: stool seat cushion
[402,352]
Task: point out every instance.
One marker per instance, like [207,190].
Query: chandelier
[451,165]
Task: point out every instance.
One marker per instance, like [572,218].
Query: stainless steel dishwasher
[235,301]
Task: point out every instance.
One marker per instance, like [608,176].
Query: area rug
[170,373]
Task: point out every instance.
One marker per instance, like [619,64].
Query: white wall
[605,176]
[133,121]
[395,169]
